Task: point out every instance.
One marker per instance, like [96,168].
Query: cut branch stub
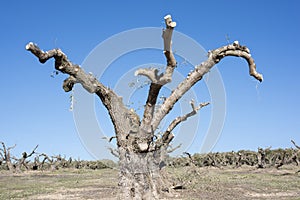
[167,33]
[69,83]
[152,74]
[158,80]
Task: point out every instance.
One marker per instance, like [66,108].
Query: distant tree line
[262,158]
[42,161]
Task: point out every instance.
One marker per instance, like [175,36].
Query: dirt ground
[200,183]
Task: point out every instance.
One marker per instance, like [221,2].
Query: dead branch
[172,149]
[157,81]
[298,147]
[22,161]
[295,157]
[7,157]
[196,75]
[261,157]
[190,157]
[109,139]
[118,112]
[62,64]
[167,138]
[114,152]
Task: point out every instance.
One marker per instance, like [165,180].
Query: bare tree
[295,156]
[6,157]
[22,162]
[140,151]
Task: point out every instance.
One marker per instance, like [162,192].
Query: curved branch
[151,73]
[294,143]
[22,160]
[114,152]
[121,117]
[62,64]
[196,75]
[237,50]
[69,83]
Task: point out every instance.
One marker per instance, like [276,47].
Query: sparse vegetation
[231,175]
[244,182]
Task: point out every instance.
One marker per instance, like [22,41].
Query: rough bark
[7,157]
[22,161]
[53,164]
[261,157]
[295,156]
[168,136]
[196,75]
[141,156]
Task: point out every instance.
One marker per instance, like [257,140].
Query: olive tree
[142,153]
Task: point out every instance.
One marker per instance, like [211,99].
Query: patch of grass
[23,186]
[19,187]
[240,183]
[200,183]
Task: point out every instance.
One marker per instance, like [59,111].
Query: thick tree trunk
[141,175]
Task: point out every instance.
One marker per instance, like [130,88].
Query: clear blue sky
[35,110]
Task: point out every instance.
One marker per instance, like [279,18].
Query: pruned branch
[172,149]
[114,152]
[6,151]
[62,64]
[294,143]
[158,80]
[33,151]
[118,112]
[190,157]
[22,161]
[180,119]
[109,139]
[46,157]
[196,75]
[166,77]
[168,136]
[9,148]
[237,50]
[7,157]
[151,73]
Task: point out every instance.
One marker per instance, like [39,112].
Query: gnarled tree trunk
[141,153]
[6,157]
